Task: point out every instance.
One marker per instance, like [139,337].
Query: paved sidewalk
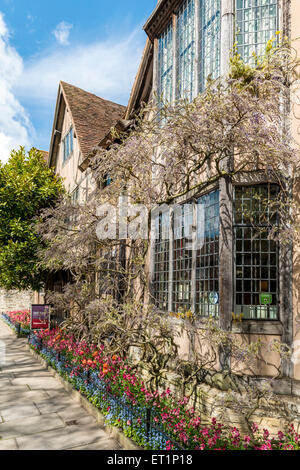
[36,413]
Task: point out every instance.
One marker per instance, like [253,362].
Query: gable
[92,118]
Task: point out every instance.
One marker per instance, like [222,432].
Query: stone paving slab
[49,405]
[37,383]
[23,395]
[74,412]
[67,438]
[13,412]
[105,445]
[31,425]
[18,390]
[4,384]
[36,413]
[9,444]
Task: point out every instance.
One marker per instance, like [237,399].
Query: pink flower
[266,446]
[254,427]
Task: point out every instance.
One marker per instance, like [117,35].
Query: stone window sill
[265,327]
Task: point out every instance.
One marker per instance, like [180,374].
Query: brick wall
[15,300]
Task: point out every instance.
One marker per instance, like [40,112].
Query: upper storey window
[256,23]
[165,65]
[186,50]
[189,50]
[68,144]
[210,27]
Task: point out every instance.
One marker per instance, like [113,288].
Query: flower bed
[16,317]
[156,421]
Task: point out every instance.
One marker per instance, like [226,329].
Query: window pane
[210,24]
[165,65]
[182,261]
[256,23]
[256,257]
[186,50]
[207,266]
[68,144]
[65,149]
[71,140]
[161,261]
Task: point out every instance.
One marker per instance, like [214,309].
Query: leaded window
[190,278]
[209,32]
[182,257]
[207,264]
[186,50]
[256,23]
[165,65]
[161,260]
[256,252]
[68,144]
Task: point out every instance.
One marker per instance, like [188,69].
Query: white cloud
[62,33]
[14,122]
[105,68]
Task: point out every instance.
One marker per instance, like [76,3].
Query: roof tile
[93,116]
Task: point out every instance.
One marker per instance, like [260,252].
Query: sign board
[265,299]
[40,317]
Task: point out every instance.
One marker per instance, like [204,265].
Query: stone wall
[231,407]
[15,300]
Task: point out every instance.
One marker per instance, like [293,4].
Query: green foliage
[27,186]
[246,73]
[239,69]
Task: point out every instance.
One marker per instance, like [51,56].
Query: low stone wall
[228,399]
[210,401]
[15,300]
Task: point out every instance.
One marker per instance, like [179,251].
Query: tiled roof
[93,117]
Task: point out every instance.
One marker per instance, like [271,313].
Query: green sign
[265,299]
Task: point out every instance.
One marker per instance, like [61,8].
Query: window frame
[258,47]
[234,255]
[197,65]
[198,81]
[162,57]
[68,144]
[189,50]
[191,236]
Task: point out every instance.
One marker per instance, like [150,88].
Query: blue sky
[93,44]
